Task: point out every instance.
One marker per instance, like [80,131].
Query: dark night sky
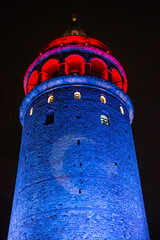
[132,31]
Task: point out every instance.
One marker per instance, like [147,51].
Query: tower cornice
[87,81]
[70,40]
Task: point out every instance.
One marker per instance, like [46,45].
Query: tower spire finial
[74,28]
[74,17]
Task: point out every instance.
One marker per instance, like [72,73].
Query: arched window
[99,68]
[31,111]
[33,81]
[74,65]
[122,110]
[50,99]
[105,119]
[49,117]
[103,99]
[77,95]
[116,78]
[50,69]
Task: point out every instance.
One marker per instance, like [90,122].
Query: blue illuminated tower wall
[77,175]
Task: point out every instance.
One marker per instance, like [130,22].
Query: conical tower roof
[74,29]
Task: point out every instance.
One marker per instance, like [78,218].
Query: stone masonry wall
[77,178]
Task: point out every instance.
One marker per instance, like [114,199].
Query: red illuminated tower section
[77,175]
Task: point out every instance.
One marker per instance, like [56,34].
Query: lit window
[31,111]
[105,120]
[50,99]
[77,95]
[122,110]
[103,99]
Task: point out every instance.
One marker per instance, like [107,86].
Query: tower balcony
[74,58]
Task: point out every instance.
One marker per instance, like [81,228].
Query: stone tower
[77,175]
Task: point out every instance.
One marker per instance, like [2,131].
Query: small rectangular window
[49,118]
